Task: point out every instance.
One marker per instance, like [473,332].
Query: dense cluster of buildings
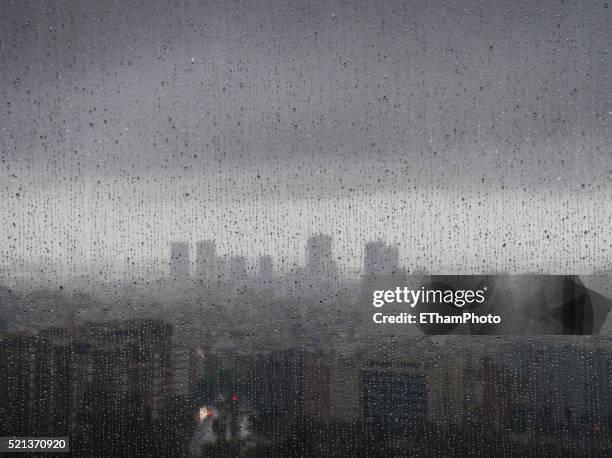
[515,388]
[511,386]
[49,376]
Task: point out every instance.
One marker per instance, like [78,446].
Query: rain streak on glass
[200,200]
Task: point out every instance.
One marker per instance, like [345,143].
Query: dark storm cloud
[473,134]
[425,91]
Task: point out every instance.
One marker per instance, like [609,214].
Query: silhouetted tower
[381,259]
[265,271]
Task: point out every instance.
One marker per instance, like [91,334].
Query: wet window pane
[294,228]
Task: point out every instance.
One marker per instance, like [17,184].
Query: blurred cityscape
[216,360]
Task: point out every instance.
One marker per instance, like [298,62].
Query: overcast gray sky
[127,124]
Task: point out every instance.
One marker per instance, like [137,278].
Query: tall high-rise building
[381,271]
[282,396]
[207,265]
[320,263]
[265,271]
[393,391]
[179,259]
[381,259]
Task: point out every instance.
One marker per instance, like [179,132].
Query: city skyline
[193,262]
[532,237]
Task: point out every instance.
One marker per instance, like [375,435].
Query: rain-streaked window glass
[305,228]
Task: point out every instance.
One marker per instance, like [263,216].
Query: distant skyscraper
[179,259]
[372,257]
[320,263]
[265,270]
[206,260]
[381,259]
[381,271]
[238,270]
